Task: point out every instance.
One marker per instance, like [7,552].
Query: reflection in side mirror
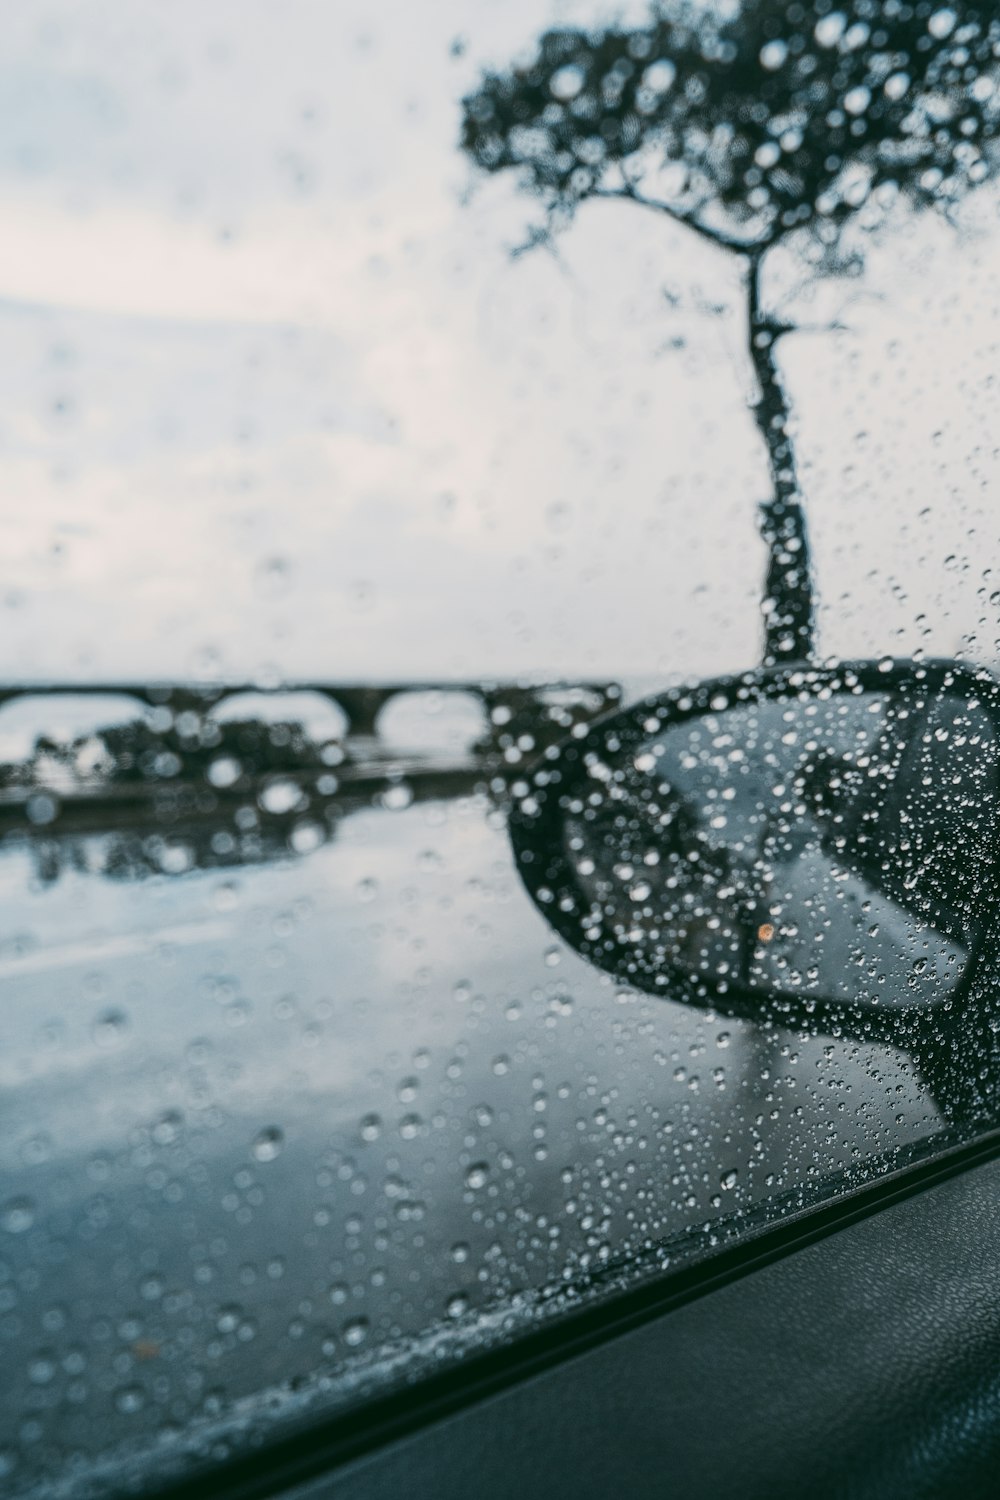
[792,843]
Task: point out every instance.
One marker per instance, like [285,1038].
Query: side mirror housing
[813,845]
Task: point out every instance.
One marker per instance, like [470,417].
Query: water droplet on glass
[129,1399]
[773,54]
[396,798]
[305,837]
[224,772]
[109,1028]
[42,809]
[566,82]
[268,1144]
[229,1317]
[41,1369]
[167,1128]
[355,1332]
[280,797]
[17,1215]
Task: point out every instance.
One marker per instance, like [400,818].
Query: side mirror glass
[793,843]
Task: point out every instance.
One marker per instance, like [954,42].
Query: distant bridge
[361,703]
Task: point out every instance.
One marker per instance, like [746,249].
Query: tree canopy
[754,120]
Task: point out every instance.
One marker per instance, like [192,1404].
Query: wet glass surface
[421,915]
[285,1132]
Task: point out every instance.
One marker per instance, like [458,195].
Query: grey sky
[276,398]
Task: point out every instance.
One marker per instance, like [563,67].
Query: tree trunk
[789,605]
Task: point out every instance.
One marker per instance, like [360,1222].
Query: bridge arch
[441,720]
[321,715]
[27,717]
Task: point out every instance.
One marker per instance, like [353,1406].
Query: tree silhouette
[751,126]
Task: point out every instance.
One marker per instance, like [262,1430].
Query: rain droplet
[305,837]
[130,1399]
[167,1128]
[942,23]
[268,1144]
[227,896]
[17,1215]
[41,1369]
[659,75]
[42,809]
[229,1318]
[281,797]
[109,1029]
[355,1332]
[477,1175]
[567,82]
[224,771]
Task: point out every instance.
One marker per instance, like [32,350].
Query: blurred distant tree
[750,123]
[135,752]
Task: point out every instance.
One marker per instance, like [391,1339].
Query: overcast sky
[276,398]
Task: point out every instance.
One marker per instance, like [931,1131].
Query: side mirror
[805,845]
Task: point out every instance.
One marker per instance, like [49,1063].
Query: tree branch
[717,237]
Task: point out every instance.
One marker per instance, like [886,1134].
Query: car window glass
[498,708]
